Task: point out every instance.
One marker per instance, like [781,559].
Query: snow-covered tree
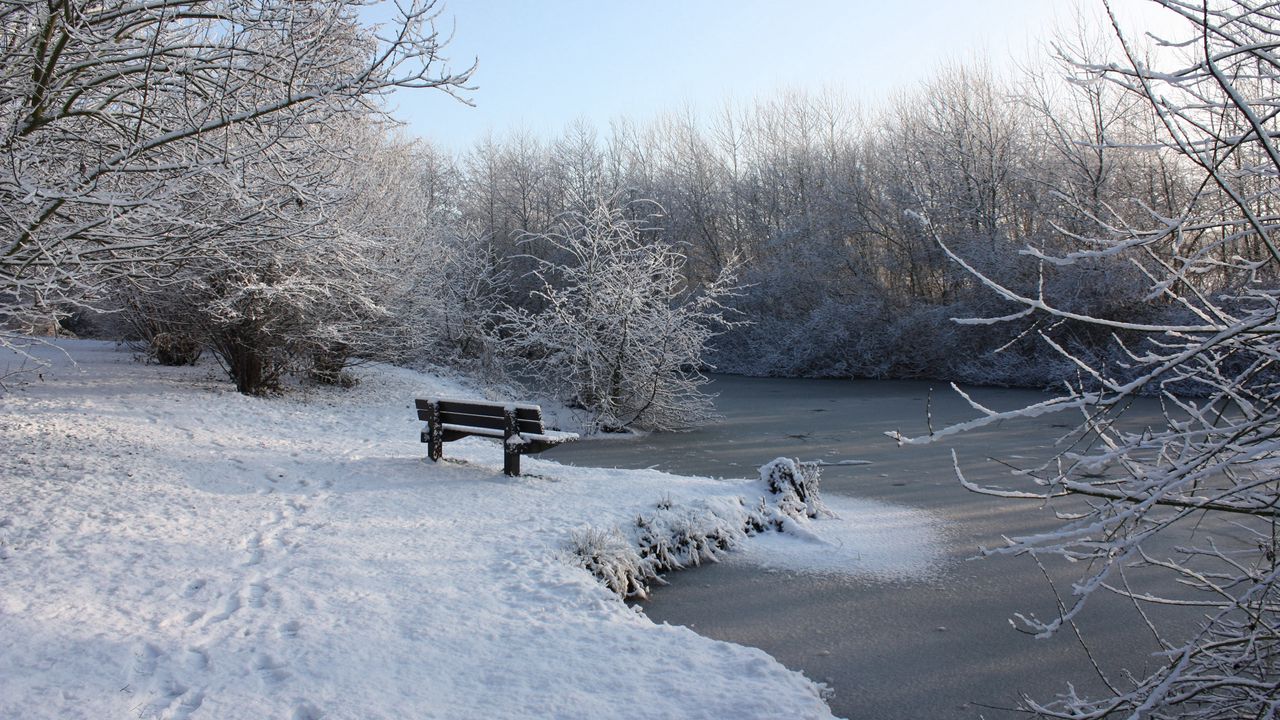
[1214,466]
[620,332]
[141,139]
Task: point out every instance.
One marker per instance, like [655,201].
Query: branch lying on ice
[990,416]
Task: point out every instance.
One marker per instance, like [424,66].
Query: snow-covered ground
[171,549]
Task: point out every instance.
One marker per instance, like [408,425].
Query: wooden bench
[519,425]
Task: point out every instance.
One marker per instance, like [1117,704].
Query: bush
[174,349]
[620,333]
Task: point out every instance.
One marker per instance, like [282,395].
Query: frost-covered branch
[1214,463]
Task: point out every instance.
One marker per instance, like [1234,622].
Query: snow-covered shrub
[313,284]
[629,561]
[157,323]
[173,349]
[615,561]
[796,485]
[438,284]
[288,310]
[327,365]
[677,537]
[248,318]
[455,296]
[620,333]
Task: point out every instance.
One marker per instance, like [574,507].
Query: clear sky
[545,63]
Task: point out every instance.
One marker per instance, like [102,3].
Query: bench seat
[518,425]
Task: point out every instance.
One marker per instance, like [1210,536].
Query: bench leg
[435,448]
[510,456]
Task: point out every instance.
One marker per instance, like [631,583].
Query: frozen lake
[895,636]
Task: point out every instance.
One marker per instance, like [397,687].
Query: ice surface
[867,538]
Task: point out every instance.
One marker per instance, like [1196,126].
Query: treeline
[838,219]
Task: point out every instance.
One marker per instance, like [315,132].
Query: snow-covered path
[171,549]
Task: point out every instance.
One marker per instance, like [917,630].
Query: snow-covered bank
[671,535]
[169,548]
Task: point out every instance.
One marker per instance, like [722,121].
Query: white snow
[867,539]
[171,549]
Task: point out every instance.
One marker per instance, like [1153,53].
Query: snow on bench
[519,425]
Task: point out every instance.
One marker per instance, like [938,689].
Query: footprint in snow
[190,703]
[196,659]
[257,591]
[166,694]
[252,545]
[144,660]
[229,607]
[269,669]
[305,711]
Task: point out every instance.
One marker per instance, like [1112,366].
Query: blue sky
[543,64]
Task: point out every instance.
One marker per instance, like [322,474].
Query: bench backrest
[483,414]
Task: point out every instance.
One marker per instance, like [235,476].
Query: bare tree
[1215,465]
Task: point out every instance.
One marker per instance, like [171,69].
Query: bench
[518,425]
